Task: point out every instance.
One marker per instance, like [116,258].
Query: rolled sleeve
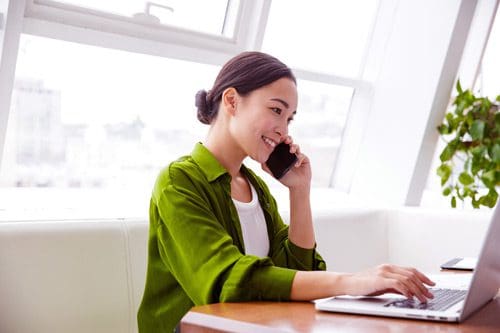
[286,254]
[253,278]
[301,255]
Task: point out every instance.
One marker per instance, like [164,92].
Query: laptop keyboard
[443,300]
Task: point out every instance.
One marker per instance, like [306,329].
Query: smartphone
[281,160]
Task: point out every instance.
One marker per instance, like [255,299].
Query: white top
[253,226]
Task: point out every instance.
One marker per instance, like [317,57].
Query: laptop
[449,304]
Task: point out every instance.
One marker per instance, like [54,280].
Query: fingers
[300,160]
[408,281]
[424,278]
[409,287]
[416,279]
[295,149]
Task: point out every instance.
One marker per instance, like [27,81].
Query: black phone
[281,160]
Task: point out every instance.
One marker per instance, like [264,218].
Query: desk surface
[302,317]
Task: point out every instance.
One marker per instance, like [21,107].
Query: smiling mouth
[269,142]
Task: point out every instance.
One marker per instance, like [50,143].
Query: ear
[230,100]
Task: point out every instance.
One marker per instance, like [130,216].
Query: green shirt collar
[207,162]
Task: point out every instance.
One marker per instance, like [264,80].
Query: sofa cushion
[69,276]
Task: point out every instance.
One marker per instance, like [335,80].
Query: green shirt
[196,253]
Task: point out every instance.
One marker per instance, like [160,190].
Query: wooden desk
[263,317]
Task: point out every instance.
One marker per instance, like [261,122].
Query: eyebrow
[281,101]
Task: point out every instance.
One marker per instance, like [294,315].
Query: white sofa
[88,276]
[71,276]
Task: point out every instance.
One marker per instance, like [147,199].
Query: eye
[290,120]
[276,110]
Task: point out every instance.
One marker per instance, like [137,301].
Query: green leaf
[459,87]
[443,129]
[475,165]
[465,178]
[444,171]
[459,109]
[490,199]
[478,151]
[453,202]
[469,97]
[467,163]
[485,105]
[452,122]
[449,151]
[497,121]
[462,130]
[475,203]
[447,191]
[495,153]
[488,178]
[477,130]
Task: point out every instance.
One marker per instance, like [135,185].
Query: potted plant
[470,161]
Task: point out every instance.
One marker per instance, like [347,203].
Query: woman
[215,232]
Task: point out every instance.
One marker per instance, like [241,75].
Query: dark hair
[245,72]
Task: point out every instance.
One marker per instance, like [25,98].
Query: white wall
[427,238]
[356,239]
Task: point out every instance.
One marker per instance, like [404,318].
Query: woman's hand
[389,278]
[299,175]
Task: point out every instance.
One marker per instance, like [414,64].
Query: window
[322,36]
[87,123]
[215,17]
[91,118]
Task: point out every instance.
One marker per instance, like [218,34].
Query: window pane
[88,117]
[205,16]
[324,36]
[488,82]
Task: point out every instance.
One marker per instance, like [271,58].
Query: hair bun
[204,113]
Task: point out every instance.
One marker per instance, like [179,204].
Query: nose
[282,131]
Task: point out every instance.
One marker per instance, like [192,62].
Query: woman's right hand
[389,278]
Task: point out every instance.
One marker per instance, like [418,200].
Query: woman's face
[262,117]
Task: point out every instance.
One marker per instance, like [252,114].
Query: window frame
[87,26]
